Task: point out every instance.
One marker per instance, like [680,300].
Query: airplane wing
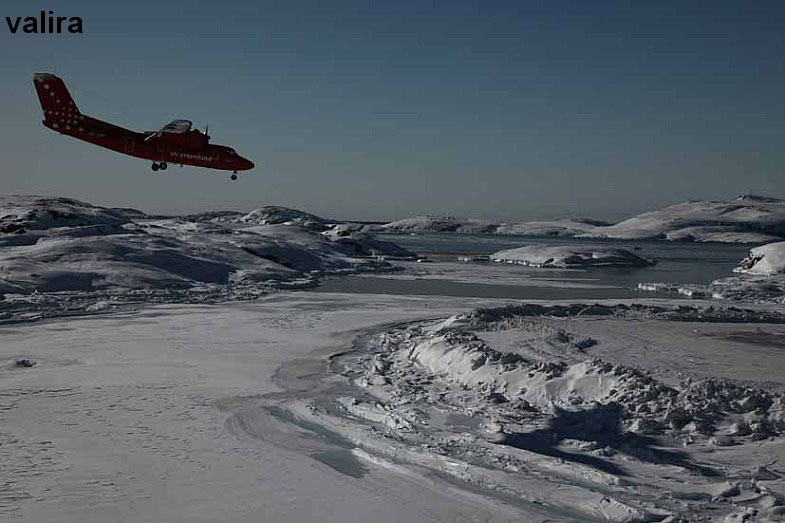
[173,127]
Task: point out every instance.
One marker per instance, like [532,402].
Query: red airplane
[175,142]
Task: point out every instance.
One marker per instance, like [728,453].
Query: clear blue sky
[509,110]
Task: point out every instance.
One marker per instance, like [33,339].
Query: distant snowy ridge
[267,215]
[58,244]
[428,223]
[452,224]
[746,219]
[274,215]
[569,256]
[559,227]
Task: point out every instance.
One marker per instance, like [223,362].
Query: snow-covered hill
[747,219]
[560,227]
[21,214]
[57,244]
[361,243]
[766,260]
[425,224]
[442,224]
[569,256]
[274,214]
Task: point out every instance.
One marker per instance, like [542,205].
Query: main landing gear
[159,165]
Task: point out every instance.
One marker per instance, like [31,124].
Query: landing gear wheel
[162,166]
[154,167]
[233,177]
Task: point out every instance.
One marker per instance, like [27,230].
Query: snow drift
[510,400]
[651,407]
[569,256]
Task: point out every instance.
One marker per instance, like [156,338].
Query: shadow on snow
[601,424]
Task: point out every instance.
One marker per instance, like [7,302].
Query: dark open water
[676,263]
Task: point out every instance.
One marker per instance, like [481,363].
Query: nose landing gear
[234,175]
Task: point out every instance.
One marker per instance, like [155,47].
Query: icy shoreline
[759,278]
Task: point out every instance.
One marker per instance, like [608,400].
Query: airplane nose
[247,164]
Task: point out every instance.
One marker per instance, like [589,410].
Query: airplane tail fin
[58,106]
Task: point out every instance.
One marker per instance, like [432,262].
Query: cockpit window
[177,127]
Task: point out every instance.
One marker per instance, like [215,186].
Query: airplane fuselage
[134,144]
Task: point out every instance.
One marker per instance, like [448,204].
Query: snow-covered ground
[123,418]
[320,406]
[569,256]
[537,412]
